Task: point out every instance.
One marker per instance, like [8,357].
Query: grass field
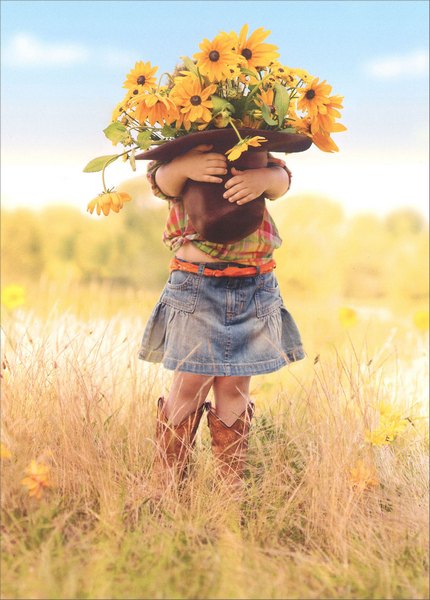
[336,498]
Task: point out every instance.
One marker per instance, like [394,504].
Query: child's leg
[231,397]
[187,393]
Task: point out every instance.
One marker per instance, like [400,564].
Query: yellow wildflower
[5,453]
[216,57]
[242,146]
[256,53]
[315,97]
[141,77]
[38,479]
[106,201]
[13,296]
[193,101]
[347,316]
[362,476]
[421,320]
[156,107]
[391,424]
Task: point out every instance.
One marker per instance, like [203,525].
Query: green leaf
[98,163]
[220,104]
[265,111]
[168,131]
[282,102]
[248,72]
[116,132]
[144,140]
[189,64]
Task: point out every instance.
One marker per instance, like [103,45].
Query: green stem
[237,132]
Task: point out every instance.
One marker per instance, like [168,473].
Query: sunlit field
[336,499]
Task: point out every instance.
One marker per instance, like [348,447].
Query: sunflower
[108,200]
[215,58]
[243,145]
[253,50]
[303,75]
[314,97]
[141,77]
[193,101]
[156,107]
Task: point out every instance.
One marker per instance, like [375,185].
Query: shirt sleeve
[153,166]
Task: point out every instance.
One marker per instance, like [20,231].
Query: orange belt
[176,265]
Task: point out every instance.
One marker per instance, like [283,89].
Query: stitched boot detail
[230,446]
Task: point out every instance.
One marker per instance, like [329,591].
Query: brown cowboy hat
[223,139]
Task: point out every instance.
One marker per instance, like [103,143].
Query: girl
[220,318]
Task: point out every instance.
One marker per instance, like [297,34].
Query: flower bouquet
[234,94]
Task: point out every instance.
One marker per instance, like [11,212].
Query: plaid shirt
[256,249]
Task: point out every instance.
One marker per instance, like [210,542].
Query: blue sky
[63,65]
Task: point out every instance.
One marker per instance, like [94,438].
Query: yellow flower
[5,453]
[156,107]
[141,77]
[421,320]
[38,479]
[303,75]
[242,146]
[216,57]
[362,476]
[391,423]
[253,50]
[314,97]
[13,296]
[106,201]
[347,316]
[193,101]
[324,142]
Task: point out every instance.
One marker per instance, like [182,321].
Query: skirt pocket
[182,291]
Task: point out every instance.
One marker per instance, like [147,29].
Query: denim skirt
[221,326]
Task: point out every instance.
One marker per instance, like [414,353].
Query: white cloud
[395,66]
[25,50]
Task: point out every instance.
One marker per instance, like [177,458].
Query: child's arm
[247,185]
[198,164]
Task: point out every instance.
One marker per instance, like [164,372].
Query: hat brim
[277,141]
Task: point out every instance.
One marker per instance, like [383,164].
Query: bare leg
[188,392]
[231,397]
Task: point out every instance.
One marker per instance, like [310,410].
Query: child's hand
[245,186]
[199,164]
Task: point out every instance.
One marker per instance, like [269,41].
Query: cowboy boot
[174,443]
[230,446]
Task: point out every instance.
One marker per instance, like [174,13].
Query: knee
[233,387]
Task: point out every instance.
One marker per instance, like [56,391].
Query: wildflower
[347,317]
[13,296]
[391,424]
[421,320]
[253,50]
[141,77]
[156,107]
[362,476]
[5,453]
[106,201]
[314,97]
[242,146]
[38,479]
[193,101]
[215,58]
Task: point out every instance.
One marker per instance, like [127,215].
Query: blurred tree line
[323,252]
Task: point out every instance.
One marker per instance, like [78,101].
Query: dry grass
[76,396]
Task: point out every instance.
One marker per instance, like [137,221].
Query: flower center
[141,80]
[310,94]
[135,92]
[246,52]
[214,55]
[195,100]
